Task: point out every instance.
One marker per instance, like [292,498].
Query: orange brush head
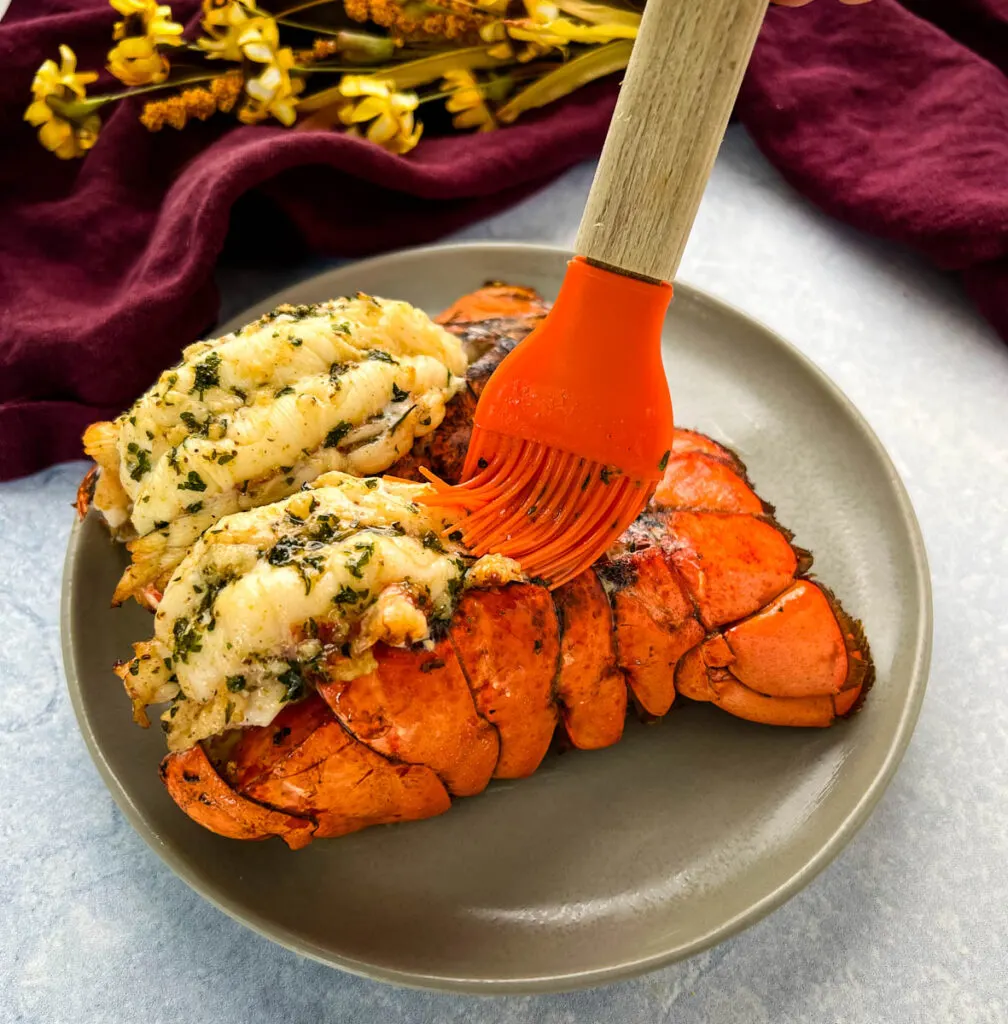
[571,432]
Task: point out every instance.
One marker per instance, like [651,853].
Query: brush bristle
[552,511]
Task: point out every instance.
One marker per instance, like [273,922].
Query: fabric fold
[893,118]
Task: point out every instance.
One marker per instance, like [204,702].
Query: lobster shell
[704,597]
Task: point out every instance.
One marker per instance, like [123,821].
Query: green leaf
[554,85]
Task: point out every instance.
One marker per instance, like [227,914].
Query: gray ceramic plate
[602,864]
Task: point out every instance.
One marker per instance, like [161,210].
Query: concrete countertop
[909,924]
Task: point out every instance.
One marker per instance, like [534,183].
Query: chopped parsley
[196,506]
[664,461]
[356,566]
[226,457]
[398,395]
[294,681]
[370,483]
[456,583]
[284,551]
[288,390]
[137,461]
[193,482]
[194,426]
[188,639]
[382,357]
[308,568]
[432,542]
[347,595]
[299,312]
[333,438]
[325,527]
[206,374]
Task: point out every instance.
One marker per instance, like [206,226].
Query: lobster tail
[704,597]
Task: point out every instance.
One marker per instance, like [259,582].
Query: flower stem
[297,8]
[338,69]
[73,109]
[494,89]
[411,74]
[322,30]
[356,46]
[592,64]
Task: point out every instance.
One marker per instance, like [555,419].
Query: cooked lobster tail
[704,596]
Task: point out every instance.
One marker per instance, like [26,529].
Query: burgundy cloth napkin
[893,121]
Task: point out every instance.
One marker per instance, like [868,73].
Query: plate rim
[829,849]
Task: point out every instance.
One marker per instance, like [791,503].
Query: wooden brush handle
[684,73]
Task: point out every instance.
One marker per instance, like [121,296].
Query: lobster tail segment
[416,707]
[508,643]
[591,687]
[655,624]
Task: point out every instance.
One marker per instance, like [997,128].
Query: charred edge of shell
[856,643]
[86,491]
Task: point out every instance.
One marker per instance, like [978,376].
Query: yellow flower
[547,27]
[216,13]
[393,126]
[146,18]
[466,102]
[146,25]
[137,61]
[66,136]
[273,92]
[233,34]
[253,38]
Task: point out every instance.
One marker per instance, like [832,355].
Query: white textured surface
[909,924]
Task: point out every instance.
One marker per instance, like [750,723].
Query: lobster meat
[705,597]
